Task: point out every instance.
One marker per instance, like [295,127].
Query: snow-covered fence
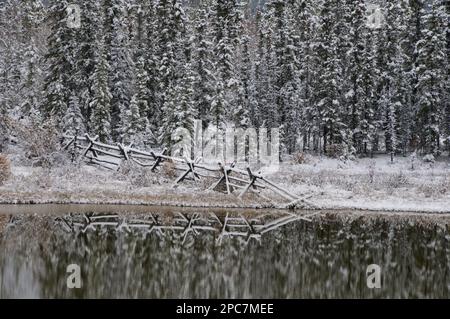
[228,177]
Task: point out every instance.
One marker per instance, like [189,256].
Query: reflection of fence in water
[185,224]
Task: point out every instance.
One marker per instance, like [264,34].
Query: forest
[321,71]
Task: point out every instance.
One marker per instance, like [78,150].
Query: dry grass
[5,169]
[301,158]
[169,169]
[39,141]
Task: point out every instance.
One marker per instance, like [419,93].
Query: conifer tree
[101,103]
[431,66]
[202,64]
[61,48]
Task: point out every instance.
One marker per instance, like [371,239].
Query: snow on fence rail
[229,177]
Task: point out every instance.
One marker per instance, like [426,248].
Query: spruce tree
[120,63]
[100,121]
[431,66]
[203,68]
[61,47]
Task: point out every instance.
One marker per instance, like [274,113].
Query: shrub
[139,177]
[5,169]
[429,158]
[169,169]
[440,188]
[335,150]
[300,158]
[371,169]
[397,180]
[40,142]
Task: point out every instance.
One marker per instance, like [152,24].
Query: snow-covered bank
[365,184]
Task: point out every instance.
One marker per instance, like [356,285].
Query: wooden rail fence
[228,178]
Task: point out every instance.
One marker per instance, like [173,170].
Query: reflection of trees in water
[325,258]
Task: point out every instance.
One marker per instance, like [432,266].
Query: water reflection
[223,255]
[185,225]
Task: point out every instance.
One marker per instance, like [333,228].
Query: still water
[148,252]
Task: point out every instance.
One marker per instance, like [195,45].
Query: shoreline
[167,203]
[321,184]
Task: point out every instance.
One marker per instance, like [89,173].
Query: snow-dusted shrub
[126,168]
[139,176]
[397,180]
[444,186]
[412,160]
[143,177]
[5,169]
[37,180]
[335,150]
[169,169]
[430,189]
[371,169]
[44,179]
[3,132]
[40,143]
[301,158]
[429,158]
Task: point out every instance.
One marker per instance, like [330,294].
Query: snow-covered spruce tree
[151,65]
[143,39]
[360,74]
[11,52]
[73,122]
[120,62]
[446,109]
[32,78]
[291,94]
[177,107]
[402,72]
[131,122]
[413,26]
[61,47]
[32,84]
[242,67]
[264,73]
[178,111]
[169,27]
[136,124]
[137,23]
[235,17]
[203,67]
[259,72]
[431,67]
[329,81]
[245,113]
[100,121]
[91,23]
[286,81]
[391,72]
[305,24]
[224,51]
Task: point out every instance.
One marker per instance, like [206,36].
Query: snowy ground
[366,184]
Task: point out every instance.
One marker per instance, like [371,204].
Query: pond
[151,252]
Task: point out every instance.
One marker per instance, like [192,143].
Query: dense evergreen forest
[317,69]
